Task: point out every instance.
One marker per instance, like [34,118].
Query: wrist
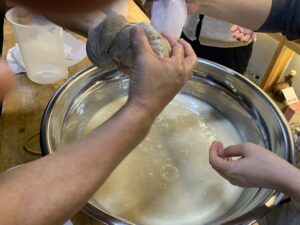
[290,182]
[293,189]
[140,112]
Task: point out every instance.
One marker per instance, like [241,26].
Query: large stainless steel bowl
[250,110]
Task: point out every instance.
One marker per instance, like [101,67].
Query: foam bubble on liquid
[170,173]
[167,180]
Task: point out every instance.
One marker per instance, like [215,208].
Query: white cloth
[169,17]
[74,49]
[68,223]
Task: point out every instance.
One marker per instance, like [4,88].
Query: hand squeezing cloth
[109,43]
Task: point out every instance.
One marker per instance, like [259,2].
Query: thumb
[140,42]
[215,158]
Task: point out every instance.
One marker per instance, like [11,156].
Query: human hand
[7,79]
[257,167]
[243,34]
[155,80]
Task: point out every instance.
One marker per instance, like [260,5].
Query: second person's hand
[256,167]
[243,34]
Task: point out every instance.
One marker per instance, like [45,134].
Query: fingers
[190,56]
[140,42]
[215,157]
[235,151]
[236,33]
[176,47]
[243,34]
[246,38]
[234,28]
[182,52]
[245,30]
[7,78]
[191,59]
[240,35]
[188,50]
[171,40]
[177,51]
[185,50]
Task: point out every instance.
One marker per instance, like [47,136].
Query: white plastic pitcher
[41,45]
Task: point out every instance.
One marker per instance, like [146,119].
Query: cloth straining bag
[169,16]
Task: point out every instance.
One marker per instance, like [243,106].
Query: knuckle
[175,61]
[181,69]
[180,46]
[187,44]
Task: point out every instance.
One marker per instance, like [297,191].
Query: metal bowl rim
[276,195]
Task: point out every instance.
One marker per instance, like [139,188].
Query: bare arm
[259,15]
[79,23]
[251,14]
[7,79]
[50,190]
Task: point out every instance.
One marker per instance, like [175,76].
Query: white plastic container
[41,45]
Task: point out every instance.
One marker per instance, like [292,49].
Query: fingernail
[219,147]
[219,144]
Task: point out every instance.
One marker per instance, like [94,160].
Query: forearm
[250,14]
[51,190]
[78,23]
[290,183]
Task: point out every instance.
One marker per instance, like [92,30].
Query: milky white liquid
[167,179]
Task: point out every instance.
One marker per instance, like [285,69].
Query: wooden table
[23,108]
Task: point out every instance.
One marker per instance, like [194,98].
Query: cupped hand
[7,79]
[155,81]
[243,34]
[255,167]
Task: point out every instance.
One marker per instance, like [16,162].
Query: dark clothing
[285,18]
[234,58]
